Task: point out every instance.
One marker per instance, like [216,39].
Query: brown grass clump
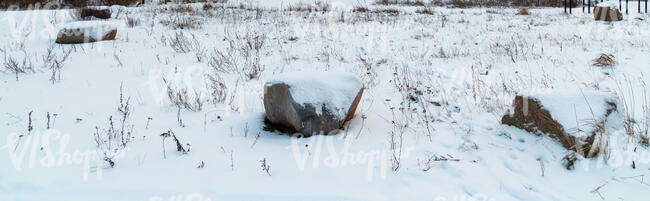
[425,10]
[360,9]
[523,11]
[604,60]
[182,9]
[478,3]
[401,2]
[438,3]
[464,3]
[120,2]
[389,11]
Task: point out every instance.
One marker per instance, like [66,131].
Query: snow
[576,110]
[611,4]
[116,11]
[465,63]
[96,29]
[286,3]
[335,90]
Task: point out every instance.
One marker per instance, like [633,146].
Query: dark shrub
[21,3]
[120,2]
[75,3]
[86,13]
[42,4]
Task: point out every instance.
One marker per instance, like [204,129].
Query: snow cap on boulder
[609,4]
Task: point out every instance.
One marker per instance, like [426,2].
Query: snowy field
[428,127]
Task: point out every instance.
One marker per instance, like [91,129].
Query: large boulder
[86,32]
[607,11]
[575,118]
[312,102]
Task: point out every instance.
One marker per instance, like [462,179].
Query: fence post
[565,6]
[639,5]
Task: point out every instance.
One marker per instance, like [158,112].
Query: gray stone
[311,116]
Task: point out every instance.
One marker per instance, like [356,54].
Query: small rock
[86,32]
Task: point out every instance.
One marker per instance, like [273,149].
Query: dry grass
[191,100]
[17,67]
[506,3]
[181,43]
[360,9]
[425,10]
[466,3]
[389,11]
[120,2]
[401,2]
[113,139]
[182,22]
[474,3]
[132,21]
[26,4]
[182,9]
[538,3]
[318,6]
[242,55]
[604,60]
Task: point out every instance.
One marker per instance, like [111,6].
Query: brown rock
[530,115]
[76,36]
[607,14]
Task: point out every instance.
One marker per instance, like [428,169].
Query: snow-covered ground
[427,128]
